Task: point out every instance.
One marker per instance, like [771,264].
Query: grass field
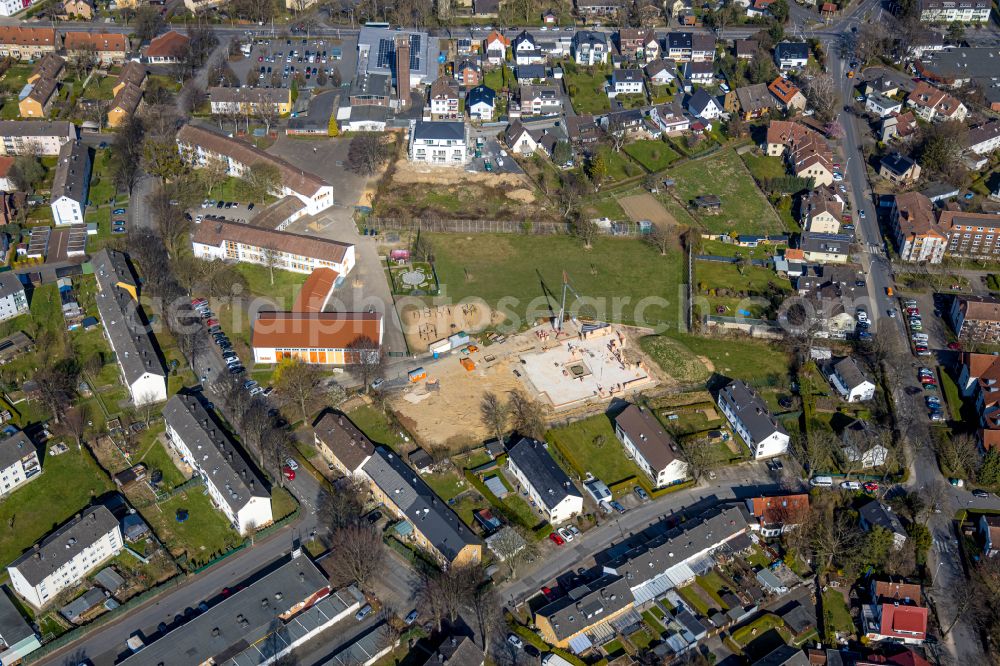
[204,535]
[764,167]
[377,426]
[586,91]
[836,614]
[693,598]
[619,167]
[723,285]
[744,208]
[522,269]
[755,361]
[747,634]
[67,484]
[591,446]
[652,155]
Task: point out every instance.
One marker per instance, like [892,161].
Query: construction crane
[562,306]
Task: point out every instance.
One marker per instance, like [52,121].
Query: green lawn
[586,91]
[101,87]
[282,502]
[765,623]
[752,360]
[520,269]
[377,426]
[619,166]
[713,583]
[652,155]
[155,456]
[744,208]
[445,485]
[591,446]
[723,285]
[232,189]
[204,535]
[67,485]
[764,167]
[694,599]
[757,558]
[951,395]
[836,614]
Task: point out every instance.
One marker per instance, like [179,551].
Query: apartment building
[18,462]
[22,43]
[976,318]
[806,151]
[749,416]
[234,486]
[934,105]
[197,146]
[648,444]
[638,44]
[342,443]
[130,338]
[955,11]
[66,556]
[779,514]
[13,298]
[589,48]
[445,142]
[232,241]
[110,48]
[545,482]
[627,82]
[540,100]
[71,184]
[915,231]
[575,620]
[27,137]
[429,521]
[250,101]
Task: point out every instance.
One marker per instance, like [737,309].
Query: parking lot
[232,211]
[493,159]
[281,59]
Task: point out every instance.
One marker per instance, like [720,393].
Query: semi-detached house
[66,556]
[18,462]
[124,326]
[749,416]
[646,442]
[233,485]
[197,146]
[934,105]
[547,485]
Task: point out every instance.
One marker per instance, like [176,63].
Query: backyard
[203,535]
[522,272]
[652,155]
[727,287]
[378,427]
[744,207]
[755,361]
[586,87]
[591,446]
[67,484]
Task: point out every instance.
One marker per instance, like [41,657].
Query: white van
[851,485]
[552,659]
[821,481]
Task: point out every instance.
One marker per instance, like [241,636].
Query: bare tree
[57,386]
[587,231]
[699,457]
[444,593]
[75,422]
[366,154]
[512,548]
[367,359]
[301,382]
[271,258]
[660,239]
[494,412]
[824,96]
[487,607]
[214,173]
[344,505]
[268,113]
[360,555]
[815,449]
[526,415]
[616,133]
[959,453]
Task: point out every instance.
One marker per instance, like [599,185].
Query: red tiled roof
[27,36]
[169,44]
[903,621]
[785,509]
[889,591]
[113,42]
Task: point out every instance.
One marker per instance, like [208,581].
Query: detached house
[861,445]
[496,48]
[791,56]
[821,210]
[661,72]
[626,82]
[701,72]
[788,94]
[881,105]
[898,126]
[481,103]
[546,483]
[850,382]
[777,515]
[749,416]
[876,514]
[526,50]
[540,100]
[934,105]
[751,102]
[669,118]
[444,99]
[704,106]
[589,48]
[469,73]
[899,169]
[646,442]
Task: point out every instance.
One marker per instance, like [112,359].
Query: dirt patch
[708,363]
[410,173]
[524,196]
[647,207]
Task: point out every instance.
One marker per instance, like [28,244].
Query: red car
[547,591]
[556,539]
[927,379]
[871,487]
[954,346]
[212,322]
[288,472]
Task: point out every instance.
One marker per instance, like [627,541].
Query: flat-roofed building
[71,184]
[234,486]
[65,557]
[197,145]
[124,326]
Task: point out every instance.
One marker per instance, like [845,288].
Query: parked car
[288,472]
[565,534]
[556,539]
[979,492]
[640,493]
[616,506]
[291,463]
[515,640]
[851,485]
[365,611]
[411,617]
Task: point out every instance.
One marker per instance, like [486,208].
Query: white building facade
[444,143]
[748,415]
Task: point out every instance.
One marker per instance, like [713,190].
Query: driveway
[325,158]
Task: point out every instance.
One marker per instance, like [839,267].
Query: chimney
[403,71]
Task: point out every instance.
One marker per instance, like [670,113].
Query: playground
[412,278]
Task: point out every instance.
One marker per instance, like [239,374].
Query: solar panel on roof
[414,52]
